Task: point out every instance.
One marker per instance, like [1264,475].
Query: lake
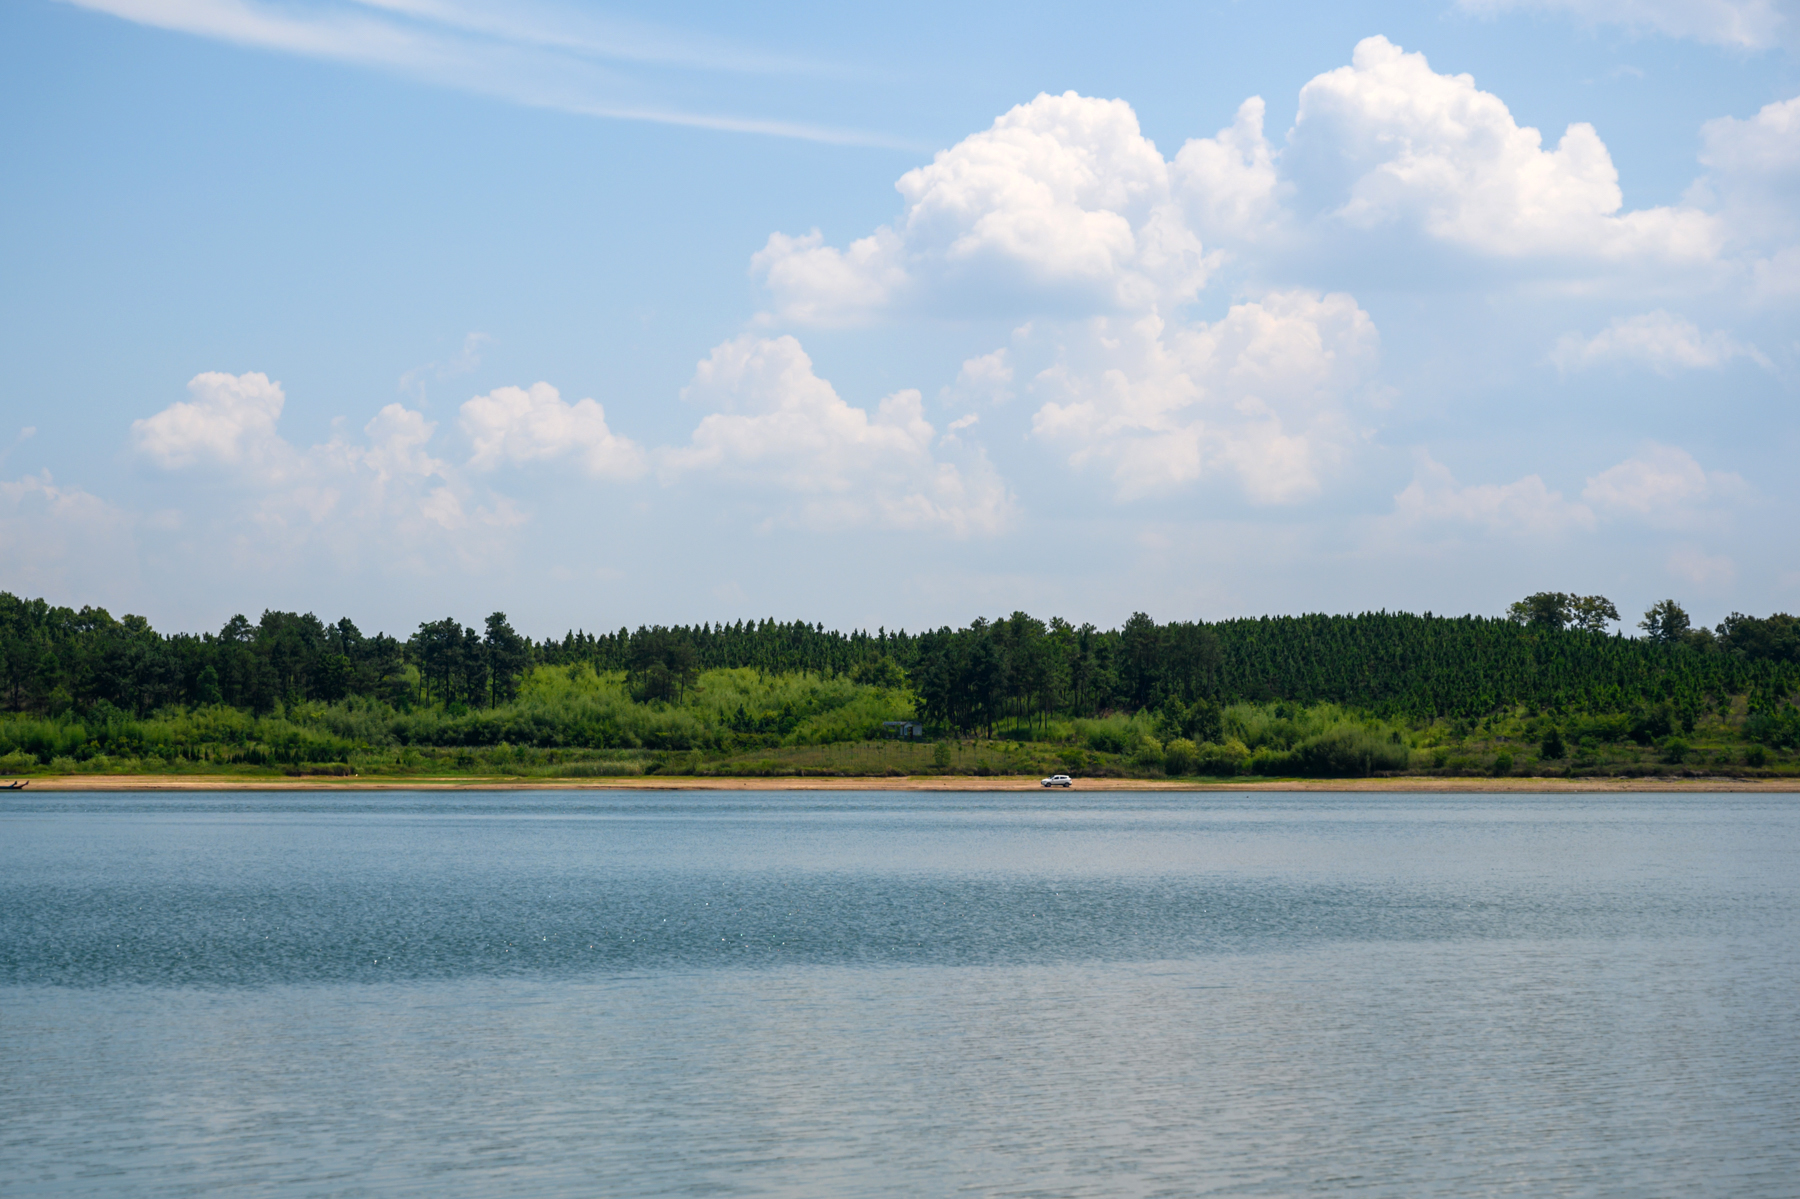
[892,993]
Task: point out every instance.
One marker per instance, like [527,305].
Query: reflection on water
[842,994]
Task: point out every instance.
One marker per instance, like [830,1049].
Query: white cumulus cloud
[1660,340]
[778,427]
[1663,486]
[516,425]
[1228,183]
[1063,209]
[1753,176]
[1778,276]
[984,378]
[1525,507]
[384,490]
[1765,146]
[1262,395]
[61,540]
[1387,142]
[1061,205]
[230,421]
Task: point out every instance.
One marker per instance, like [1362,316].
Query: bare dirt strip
[160,782]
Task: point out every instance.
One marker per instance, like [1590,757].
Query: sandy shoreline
[129,782]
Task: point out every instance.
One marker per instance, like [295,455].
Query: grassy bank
[575,723]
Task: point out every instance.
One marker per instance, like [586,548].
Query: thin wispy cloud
[535,55]
[603,37]
[1742,24]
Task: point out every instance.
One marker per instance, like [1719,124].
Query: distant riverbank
[163,782]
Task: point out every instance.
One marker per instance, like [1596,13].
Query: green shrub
[1179,756]
[1110,735]
[1776,727]
[1229,758]
[1346,751]
[1503,763]
[1675,751]
[1648,725]
[1147,753]
[588,770]
[1605,728]
[1269,762]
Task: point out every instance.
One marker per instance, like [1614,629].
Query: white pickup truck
[1059,780]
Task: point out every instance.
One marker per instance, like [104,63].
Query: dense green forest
[1545,686]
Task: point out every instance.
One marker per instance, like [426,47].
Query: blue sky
[613,314]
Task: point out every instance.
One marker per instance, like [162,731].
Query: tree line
[1396,665]
[56,659]
[1551,652]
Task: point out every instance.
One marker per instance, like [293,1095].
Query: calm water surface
[842,994]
